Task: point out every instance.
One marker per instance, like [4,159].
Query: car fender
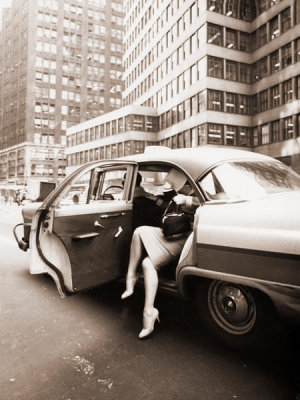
[225,248]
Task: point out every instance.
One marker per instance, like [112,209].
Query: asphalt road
[86,346]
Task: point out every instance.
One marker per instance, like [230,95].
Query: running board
[164,286]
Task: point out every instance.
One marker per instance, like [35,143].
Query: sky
[3,4]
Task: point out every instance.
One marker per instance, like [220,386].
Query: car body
[245,241]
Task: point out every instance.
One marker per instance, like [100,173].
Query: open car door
[81,235]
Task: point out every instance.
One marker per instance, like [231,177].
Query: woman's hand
[179,199]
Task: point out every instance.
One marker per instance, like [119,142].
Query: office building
[215,72]
[61,64]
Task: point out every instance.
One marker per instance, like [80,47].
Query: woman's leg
[136,252]
[151,283]
[150,314]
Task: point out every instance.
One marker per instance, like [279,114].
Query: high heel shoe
[130,284]
[148,323]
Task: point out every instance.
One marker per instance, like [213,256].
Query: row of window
[133,122]
[228,102]
[245,73]
[207,133]
[241,9]
[232,135]
[122,149]
[238,40]
[217,68]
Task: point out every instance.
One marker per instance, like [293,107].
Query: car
[243,254]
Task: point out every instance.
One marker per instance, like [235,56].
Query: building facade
[61,64]
[216,72]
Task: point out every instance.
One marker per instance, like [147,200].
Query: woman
[149,245]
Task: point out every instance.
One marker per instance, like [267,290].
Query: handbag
[175,223]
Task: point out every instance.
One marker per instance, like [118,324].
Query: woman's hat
[176,179]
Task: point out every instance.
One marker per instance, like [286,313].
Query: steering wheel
[109,196]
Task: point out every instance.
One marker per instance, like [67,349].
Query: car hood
[271,223]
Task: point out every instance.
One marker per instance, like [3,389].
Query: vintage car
[244,249]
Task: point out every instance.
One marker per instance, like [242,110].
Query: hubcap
[232,307]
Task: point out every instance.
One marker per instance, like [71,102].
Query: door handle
[91,235]
[97,223]
[119,231]
[112,215]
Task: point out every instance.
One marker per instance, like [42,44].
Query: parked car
[245,245]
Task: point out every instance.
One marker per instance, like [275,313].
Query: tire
[233,313]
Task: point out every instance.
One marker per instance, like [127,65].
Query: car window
[108,185]
[96,185]
[244,180]
[77,193]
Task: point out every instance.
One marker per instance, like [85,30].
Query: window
[297,49]
[263,96]
[194,108]
[216,6]
[286,19]
[286,55]
[202,134]
[231,38]
[215,100]
[215,34]
[138,122]
[265,137]
[275,63]
[202,101]
[255,137]
[186,109]
[288,128]
[245,73]
[262,67]
[215,134]
[245,40]
[231,102]
[275,131]
[275,96]
[231,70]
[262,35]
[287,90]
[244,104]
[215,67]
[244,136]
[230,135]
[274,28]
[231,8]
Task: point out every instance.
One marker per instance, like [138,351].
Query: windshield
[245,180]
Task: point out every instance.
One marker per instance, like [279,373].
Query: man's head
[138,179]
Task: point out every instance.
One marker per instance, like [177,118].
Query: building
[61,64]
[216,72]
[119,133]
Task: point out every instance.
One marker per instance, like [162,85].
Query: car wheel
[232,312]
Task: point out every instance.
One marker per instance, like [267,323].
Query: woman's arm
[188,201]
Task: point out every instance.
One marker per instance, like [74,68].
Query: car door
[92,218]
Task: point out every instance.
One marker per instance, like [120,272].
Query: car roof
[196,161]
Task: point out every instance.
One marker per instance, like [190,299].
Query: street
[86,346]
